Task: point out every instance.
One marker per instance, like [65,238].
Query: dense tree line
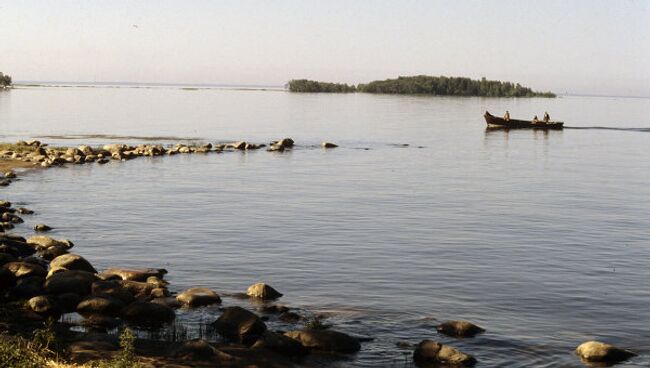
[423,84]
[5,80]
[304,85]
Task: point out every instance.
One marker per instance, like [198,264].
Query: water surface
[540,237]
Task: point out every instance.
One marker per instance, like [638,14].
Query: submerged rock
[263,291]
[459,329]
[197,297]
[239,324]
[596,351]
[42,228]
[326,340]
[328,145]
[431,352]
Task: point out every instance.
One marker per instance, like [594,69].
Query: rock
[113,290]
[326,340]
[431,352]
[68,302]
[5,204]
[459,329]
[197,297]
[148,314]
[280,344]
[133,274]
[263,291]
[43,241]
[275,148]
[6,258]
[25,211]
[596,351]
[170,302]
[98,305]
[194,350]
[285,142]
[140,290]
[10,175]
[101,322]
[24,269]
[239,324]
[42,228]
[43,304]
[156,282]
[52,252]
[290,317]
[72,262]
[85,150]
[328,145]
[275,309]
[7,280]
[28,287]
[78,282]
[159,293]
[238,145]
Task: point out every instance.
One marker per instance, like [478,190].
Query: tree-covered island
[5,80]
[424,85]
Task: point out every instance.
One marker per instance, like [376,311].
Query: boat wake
[646,130]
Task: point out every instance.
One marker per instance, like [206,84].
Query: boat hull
[495,121]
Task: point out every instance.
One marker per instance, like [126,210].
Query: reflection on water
[540,237]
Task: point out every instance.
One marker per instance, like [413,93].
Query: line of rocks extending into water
[51,281]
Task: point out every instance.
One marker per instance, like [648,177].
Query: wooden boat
[495,121]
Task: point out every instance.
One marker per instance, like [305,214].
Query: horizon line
[256,86]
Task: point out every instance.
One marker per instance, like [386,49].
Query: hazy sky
[593,46]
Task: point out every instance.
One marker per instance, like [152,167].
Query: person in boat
[535,120]
[547,118]
[506,116]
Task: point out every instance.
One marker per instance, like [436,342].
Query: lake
[420,216]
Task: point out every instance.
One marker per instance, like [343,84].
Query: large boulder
[27,287]
[459,329]
[140,290]
[239,324]
[147,314]
[113,290]
[98,305]
[133,274]
[44,305]
[280,344]
[68,302]
[263,291]
[596,351]
[72,262]
[50,253]
[43,241]
[430,352]
[25,269]
[326,340]
[78,282]
[197,297]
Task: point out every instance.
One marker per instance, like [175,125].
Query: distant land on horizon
[423,85]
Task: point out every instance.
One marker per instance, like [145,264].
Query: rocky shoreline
[41,279]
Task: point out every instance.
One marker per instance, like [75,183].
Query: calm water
[541,238]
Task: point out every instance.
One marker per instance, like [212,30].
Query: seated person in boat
[535,120]
[506,117]
[547,118]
